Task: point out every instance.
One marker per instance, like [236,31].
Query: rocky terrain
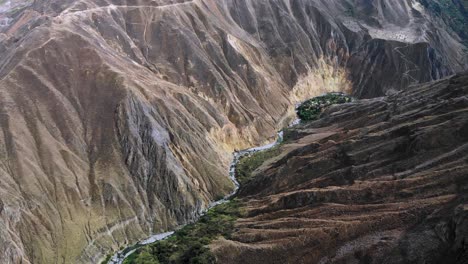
[383,180]
[118,118]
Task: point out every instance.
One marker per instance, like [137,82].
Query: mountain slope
[118,118]
[373,181]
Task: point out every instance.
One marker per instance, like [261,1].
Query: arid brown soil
[373,181]
[118,118]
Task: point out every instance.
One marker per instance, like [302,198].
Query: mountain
[374,181]
[118,118]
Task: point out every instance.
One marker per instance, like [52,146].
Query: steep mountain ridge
[118,117]
[373,181]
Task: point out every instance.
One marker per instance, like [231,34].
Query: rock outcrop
[118,118]
[383,180]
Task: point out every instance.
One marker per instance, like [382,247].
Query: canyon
[374,181]
[118,118]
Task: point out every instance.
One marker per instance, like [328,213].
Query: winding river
[119,257]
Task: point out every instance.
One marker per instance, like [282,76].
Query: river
[120,256]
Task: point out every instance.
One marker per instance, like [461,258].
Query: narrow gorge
[118,118]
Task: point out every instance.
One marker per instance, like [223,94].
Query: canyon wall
[118,118]
[382,180]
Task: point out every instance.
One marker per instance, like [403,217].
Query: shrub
[248,164]
[311,109]
[189,244]
[106,260]
[146,258]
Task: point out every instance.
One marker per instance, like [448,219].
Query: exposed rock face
[118,117]
[375,181]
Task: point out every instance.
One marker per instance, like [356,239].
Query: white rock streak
[108,8]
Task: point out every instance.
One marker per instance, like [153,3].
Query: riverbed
[119,257]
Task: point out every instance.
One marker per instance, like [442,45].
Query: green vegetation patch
[189,244]
[108,256]
[311,109]
[248,164]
